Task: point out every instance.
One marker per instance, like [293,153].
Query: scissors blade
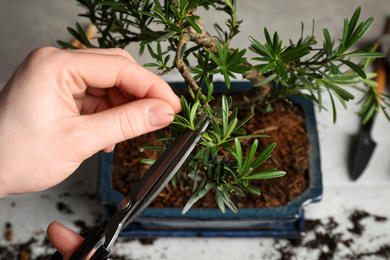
[170,171]
[153,181]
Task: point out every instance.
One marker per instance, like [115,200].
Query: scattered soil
[356,219]
[329,241]
[8,231]
[64,208]
[324,238]
[285,126]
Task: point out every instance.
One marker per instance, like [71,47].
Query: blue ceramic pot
[286,221]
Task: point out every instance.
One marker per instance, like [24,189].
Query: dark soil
[329,241]
[285,126]
[322,237]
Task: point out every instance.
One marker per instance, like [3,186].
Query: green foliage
[228,171]
[172,32]
[229,62]
[301,69]
[229,178]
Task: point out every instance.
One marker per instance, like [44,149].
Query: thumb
[65,240]
[114,125]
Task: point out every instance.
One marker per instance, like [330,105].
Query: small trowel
[364,146]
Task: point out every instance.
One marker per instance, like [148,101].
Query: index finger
[102,70]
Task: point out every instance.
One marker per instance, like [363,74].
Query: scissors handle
[93,235]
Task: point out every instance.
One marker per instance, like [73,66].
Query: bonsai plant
[175,36]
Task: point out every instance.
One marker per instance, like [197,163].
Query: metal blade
[152,182]
[169,172]
[362,150]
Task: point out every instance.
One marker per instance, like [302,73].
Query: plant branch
[182,68]
[206,40]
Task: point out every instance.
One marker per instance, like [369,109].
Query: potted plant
[176,38]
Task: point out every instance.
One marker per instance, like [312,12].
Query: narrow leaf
[250,155]
[219,200]
[355,68]
[152,147]
[251,189]
[263,156]
[265,175]
[191,21]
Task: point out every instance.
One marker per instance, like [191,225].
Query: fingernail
[160,116]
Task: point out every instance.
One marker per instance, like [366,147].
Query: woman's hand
[61,107]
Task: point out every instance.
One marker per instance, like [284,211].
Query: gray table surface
[25,25]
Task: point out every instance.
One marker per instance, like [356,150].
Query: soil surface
[285,126]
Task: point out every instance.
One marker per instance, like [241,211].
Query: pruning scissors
[102,236]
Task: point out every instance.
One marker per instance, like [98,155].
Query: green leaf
[150,14]
[219,200]
[354,20]
[334,69]
[194,110]
[243,121]
[226,78]
[251,189]
[333,107]
[266,67]
[181,119]
[369,114]
[66,45]
[217,173]
[246,137]
[259,48]
[265,175]
[76,35]
[84,38]
[238,153]
[328,46]
[236,191]
[216,136]
[149,65]
[228,202]
[294,53]
[220,53]
[359,33]
[360,54]
[340,91]
[185,107]
[345,34]
[208,144]
[193,199]
[210,185]
[202,192]
[225,115]
[267,36]
[230,171]
[267,79]
[152,147]
[210,91]
[166,36]
[250,155]
[265,154]
[210,171]
[355,68]
[229,3]
[147,161]
[231,127]
[206,155]
[214,59]
[190,20]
